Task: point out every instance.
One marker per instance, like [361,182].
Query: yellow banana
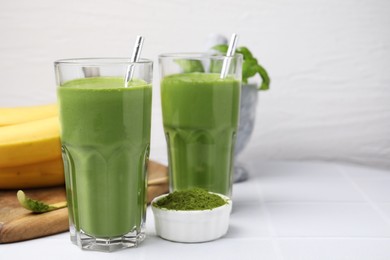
[42,174]
[30,142]
[17,115]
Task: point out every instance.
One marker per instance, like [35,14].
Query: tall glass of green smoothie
[200,115]
[105,135]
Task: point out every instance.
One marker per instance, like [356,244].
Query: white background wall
[329,62]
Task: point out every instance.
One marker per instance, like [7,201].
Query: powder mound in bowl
[190,199]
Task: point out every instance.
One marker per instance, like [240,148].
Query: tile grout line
[270,226]
[365,197]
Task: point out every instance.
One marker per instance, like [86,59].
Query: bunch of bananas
[30,149]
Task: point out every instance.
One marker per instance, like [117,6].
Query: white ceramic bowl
[192,226]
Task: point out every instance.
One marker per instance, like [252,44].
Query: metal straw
[229,55]
[134,58]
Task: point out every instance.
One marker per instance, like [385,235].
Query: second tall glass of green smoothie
[105,134]
[200,115]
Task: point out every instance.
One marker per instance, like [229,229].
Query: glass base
[240,173]
[87,242]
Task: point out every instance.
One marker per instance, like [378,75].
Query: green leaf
[249,69]
[245,53]
[250,66]
[264,77]
[190,65]
[222,48]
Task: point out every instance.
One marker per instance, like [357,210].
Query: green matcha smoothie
[200,115]
[105,135]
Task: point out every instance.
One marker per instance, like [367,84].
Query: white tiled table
[285,211]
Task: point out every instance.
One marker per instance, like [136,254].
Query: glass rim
[196,55]
[100,61]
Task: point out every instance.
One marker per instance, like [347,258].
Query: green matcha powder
[191,199]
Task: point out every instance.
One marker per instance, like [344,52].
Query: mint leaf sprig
[250,66]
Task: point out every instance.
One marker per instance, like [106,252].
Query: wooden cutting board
[18,224]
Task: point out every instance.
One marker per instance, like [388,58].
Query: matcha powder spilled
[191,199]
